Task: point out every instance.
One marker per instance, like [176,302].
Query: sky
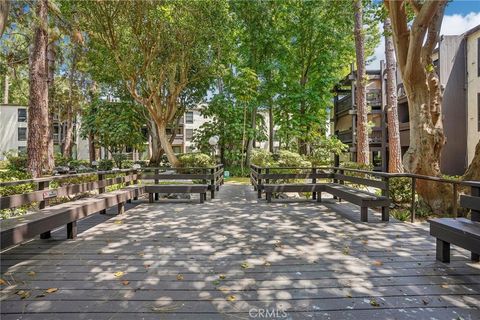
[460,16]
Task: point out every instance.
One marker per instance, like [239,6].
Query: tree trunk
[50,164]
[252,139]
[361,94]
[270,126]
[473,171]
[6,89]
[394,148]
[166,145]
[155,145]
[38,104]
[68,139]
[92,155]
[4,8]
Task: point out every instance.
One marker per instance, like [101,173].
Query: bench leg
[314,195]
[364,214]
[121,208]
[443,251]
[475,257]
[269,197]
[45,235]
[150,198]
[72,230]
[157,196]
[202,197]
[212,193]
[217,188]
[129,201]
[319,197]
[385,213]
[259,193]
[103,211]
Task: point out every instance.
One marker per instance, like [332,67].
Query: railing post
[212,182]
[43,185]
[156,172]
[127,183]
[386,193]
[259,183]
[475,216]
[101,189]
[135,182]
[455,194]
[335,180]
[412,203]
[314,180]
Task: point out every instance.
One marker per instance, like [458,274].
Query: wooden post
[412,203]
[212,183]
[475,215]
[135,182]
[127,183]
[121,208]
[386,193]
[259,183]
[101,180]
[314,180]
[72,230]
[43,185]
[156,172]
[455,209]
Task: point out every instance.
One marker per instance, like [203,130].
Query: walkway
[238,258]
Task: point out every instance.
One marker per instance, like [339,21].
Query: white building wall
[473,90]
[9,129]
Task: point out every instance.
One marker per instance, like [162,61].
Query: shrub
[291,159]
[105,164]
[200,160]
[323,151]
[16,162]
[61,161]
[128,164]
[261,158]
[400,214]
[400,190]
[236,171]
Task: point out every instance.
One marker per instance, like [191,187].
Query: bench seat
[461,232]
[201,189]
[17,230]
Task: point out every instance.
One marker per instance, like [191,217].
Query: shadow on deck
[238,258]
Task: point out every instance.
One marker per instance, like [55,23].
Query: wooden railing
[261,175]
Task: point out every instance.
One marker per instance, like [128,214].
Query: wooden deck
[238,258]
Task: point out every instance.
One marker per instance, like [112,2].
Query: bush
[105,164]
[128,164]
[61,161]
[322,153]
[291,159]
[400,214]
[400,190]
[261,158]
[200,160]
[16,162]
[236,171]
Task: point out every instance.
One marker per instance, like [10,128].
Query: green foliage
[105,164]
[60,160]
[261,157]
[199,160]
[400,214]
[292,159]
[400,190]
[16,162]
[128,164]
[325,149]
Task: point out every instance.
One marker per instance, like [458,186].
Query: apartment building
[457,61]
[13,132]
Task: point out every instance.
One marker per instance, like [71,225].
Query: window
[22,115]
[177,149]
[22,150]
[376,158]
[189,117]
[189,134]
[22,134]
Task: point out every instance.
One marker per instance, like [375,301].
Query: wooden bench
[16,230]
[152,190]
[460,232]
[20,229]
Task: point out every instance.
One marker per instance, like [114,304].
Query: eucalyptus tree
[158,48]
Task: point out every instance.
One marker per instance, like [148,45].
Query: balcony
[344,104]
[374,97]
[345,136]
[375,137]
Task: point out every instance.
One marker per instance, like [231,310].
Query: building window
[189,134]
[189,117]
[22,150]
[22,134]
[22,115]
[177,149]
[376,158]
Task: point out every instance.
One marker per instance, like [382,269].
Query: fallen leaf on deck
[425,302]
[377,263]
[179,276]
[374,303]
[223,289]
[23,294]
[125,282]
[31,273]
[51,290]
[216,282]
[346,251]
[267,264]
[221,277]
[118,221]
[3,282]
[231,298]
[119,274]
[40,295]
[444,286]
[349,295]
[245,265]
[167,308]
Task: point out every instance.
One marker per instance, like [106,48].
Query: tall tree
[363,154]
[158,48]
[414,44]
[394,149]
[38,105]
[4,9]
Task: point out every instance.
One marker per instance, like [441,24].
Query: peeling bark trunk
[361,94]
[4,8]
[394,148]
[91,148]
[166,145]
[50,163]
[250,144]
[473,171]
[38,105]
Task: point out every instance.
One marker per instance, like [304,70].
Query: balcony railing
[345,103]
[376,135]
[345,136]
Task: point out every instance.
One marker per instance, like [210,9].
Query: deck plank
[310,260]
